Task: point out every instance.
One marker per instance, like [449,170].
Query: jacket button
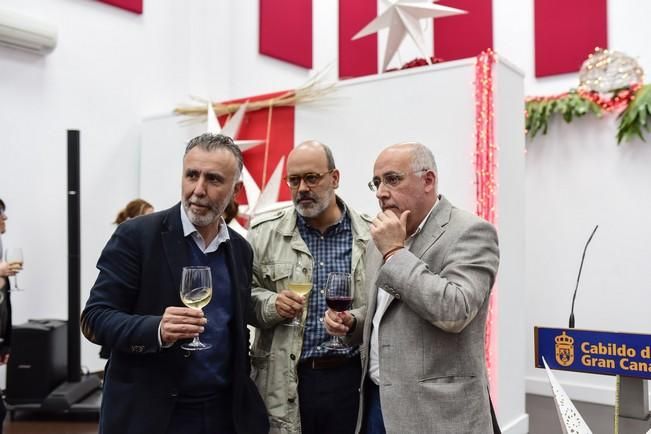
[293,357]
[291,399]
[397,296]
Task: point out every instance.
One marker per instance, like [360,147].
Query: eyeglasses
[311,179]
[390,180]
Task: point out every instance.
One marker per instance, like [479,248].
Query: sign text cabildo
[608,353]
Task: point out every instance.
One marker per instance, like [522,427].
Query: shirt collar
[190,229]
[411,238]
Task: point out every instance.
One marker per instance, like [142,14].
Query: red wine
[339,304]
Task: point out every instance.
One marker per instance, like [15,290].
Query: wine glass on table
[14,255]
[339,297]
[196,292]
[300,282]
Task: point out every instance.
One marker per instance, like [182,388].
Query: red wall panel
[566,32]
[130,5]
[467,35]
[286,30]
[356,58]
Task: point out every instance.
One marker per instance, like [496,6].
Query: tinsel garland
[485,176]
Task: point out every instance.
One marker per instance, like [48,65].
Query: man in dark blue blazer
[151,385]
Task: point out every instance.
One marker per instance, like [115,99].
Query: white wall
[109,69]
[112,68]
[578,177]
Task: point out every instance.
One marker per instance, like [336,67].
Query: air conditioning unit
[26,33]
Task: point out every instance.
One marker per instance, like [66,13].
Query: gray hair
[330,159]
[422,158]
[213,142]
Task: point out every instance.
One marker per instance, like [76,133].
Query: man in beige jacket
[306,387]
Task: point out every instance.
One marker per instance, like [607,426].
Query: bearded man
[152,385]
[307,387]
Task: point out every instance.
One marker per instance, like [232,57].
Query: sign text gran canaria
[597,352]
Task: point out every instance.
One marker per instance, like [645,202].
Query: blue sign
[597,352]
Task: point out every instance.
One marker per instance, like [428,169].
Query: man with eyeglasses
[430,270]
[306,387]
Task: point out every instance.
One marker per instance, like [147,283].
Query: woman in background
[133,209]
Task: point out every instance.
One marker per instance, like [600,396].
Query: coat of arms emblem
[564,349]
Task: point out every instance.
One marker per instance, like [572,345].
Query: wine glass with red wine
[339,297]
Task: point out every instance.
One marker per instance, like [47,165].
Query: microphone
[579,277]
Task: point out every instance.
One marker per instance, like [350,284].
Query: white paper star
[571,420]
[258,201]
[231,127]
[403,17]
[267,199]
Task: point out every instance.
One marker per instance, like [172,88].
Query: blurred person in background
[133,209]
[6,269]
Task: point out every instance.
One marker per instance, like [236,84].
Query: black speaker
[74,257]
[38,360]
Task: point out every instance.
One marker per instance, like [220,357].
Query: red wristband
[390,252]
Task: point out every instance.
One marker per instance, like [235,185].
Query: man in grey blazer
[430,269]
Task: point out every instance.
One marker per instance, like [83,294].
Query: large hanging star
[403,17]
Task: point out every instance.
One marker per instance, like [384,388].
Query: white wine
[197,298]
[300,288]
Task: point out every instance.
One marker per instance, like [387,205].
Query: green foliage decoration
[635,117]
[570,105]
[634,101]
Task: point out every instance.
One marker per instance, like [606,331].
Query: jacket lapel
[176,250]
[433,228]
[235,281]
[430,233]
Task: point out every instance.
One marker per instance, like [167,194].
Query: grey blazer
[431,340]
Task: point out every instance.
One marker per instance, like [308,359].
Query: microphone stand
[571,325]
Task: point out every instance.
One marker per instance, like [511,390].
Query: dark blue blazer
[139,276]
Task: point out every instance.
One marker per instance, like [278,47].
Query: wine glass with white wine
[196,292]
[300,282]
[14,255]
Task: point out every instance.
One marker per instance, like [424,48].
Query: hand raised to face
[389,231]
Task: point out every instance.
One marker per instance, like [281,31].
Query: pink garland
[485,173]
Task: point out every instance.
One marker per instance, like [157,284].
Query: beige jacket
[431,337]
[277,244]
